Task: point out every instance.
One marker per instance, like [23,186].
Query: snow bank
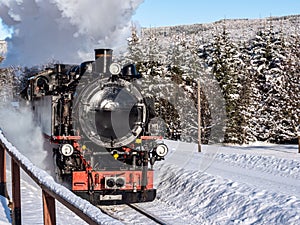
[230,184]
[269,164]
[215,200]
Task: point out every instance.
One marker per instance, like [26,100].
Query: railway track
[147,214]
[113,211]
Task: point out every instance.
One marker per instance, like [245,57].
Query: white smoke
[18,127]
[17,124]
[64,30]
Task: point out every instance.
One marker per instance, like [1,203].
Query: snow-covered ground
[257,184]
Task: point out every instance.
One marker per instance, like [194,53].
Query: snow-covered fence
[51,191]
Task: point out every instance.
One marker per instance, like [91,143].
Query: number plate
[110,197]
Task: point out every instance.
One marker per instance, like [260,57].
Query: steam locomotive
[97,124]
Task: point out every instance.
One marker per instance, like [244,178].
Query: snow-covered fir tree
[291,109]
[135,53]
[224,61]
[270,95]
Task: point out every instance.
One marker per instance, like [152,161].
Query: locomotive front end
[96,122]
[112,119]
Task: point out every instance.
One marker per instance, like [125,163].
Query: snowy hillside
[254,62]
[258,184]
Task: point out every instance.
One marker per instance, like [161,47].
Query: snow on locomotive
[97,122]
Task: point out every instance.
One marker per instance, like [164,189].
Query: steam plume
[64,30]
[19,129]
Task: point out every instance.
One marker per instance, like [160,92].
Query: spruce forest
[256,64]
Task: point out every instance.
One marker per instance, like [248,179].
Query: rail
[51,191]
[147,214]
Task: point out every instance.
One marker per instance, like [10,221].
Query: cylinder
[103,59]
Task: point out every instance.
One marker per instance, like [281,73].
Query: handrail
[51,191]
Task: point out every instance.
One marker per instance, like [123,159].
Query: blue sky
[153,13]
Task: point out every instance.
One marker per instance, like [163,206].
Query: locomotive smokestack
[103,59]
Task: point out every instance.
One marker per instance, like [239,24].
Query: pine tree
[246,94]
[291,107]
[269,94]
[225,63]
[135,53]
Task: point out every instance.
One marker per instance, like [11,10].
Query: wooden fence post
[299,143]
[199,114]
[16,193]
[49,209]
[3,186]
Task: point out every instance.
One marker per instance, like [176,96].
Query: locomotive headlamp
[161,150]
[114,182]
[67,149]
[120,182]
[110,182]
[115,68]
